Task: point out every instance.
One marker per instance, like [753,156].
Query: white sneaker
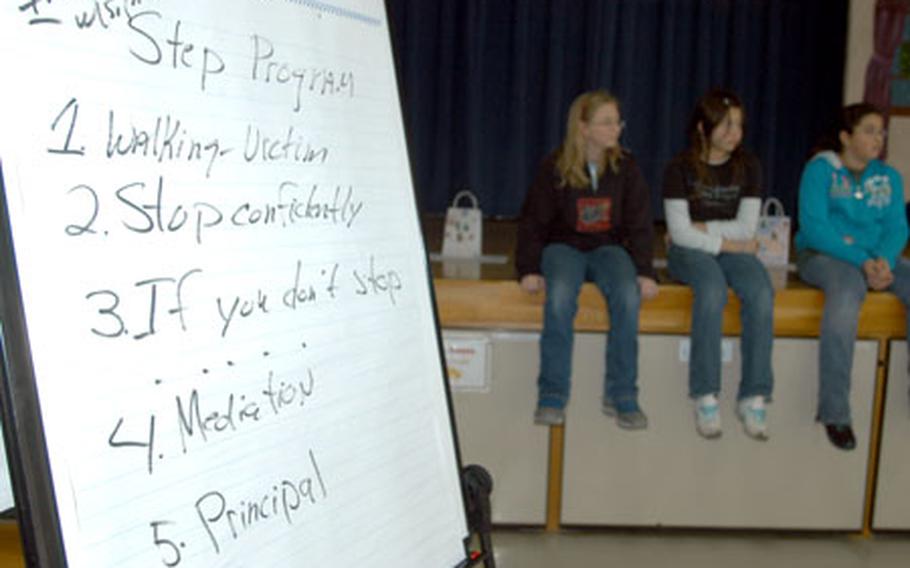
[751,412]
[707,416]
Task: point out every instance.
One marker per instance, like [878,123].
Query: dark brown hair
[847,120]
[710,111]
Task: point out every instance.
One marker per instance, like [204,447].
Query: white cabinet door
[892,506]
[496,428]
[669,475]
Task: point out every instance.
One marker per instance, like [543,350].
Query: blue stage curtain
[486,84]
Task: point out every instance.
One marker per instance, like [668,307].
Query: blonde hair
[571,162]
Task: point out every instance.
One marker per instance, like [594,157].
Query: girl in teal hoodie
[852,230]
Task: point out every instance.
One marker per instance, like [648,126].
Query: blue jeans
[565,268]
[709,276]
[845,288]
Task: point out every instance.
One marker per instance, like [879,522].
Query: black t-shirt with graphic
[618,212]
[717,198]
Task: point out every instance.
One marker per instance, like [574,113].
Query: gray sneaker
[751,412]
[707,416]
[630,417]
[549,416]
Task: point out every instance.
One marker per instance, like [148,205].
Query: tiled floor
[633,549]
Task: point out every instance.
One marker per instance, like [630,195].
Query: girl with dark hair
[587,216]
[712,200]
[852,229]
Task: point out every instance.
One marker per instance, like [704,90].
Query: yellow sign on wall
[467,360]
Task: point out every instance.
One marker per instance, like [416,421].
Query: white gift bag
[773,236]
[463,229]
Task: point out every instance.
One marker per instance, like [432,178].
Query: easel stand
[478,484]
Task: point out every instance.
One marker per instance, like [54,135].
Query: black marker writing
[182,54]
[198,417]
[377,282]
[71,108]
[343,208]
[316,81]
[108,306]
[159,214]
[173,550]
[192,420]
[288,148]
[114,441]
[167,141]
[284,500]
[153,283]
[105,13]
[289,393]
[244,309]
[37,18]
[299,294]
[75,230]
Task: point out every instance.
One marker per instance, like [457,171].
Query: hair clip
[726,101]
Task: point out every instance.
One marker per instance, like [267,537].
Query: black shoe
[841,435]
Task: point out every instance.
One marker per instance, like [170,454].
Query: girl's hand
[648,288]
[533,283]
[883,267]
[749,246]
[878,273]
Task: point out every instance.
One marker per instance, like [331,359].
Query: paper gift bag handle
[466,194]
[775,204]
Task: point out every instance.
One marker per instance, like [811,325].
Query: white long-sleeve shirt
[728,202]
[683,232]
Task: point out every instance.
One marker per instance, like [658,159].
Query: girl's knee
[842,313]
[562,299]
[711,293]
[761,301]
[625,295]
[850,290]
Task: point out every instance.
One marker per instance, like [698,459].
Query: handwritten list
[225,286]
